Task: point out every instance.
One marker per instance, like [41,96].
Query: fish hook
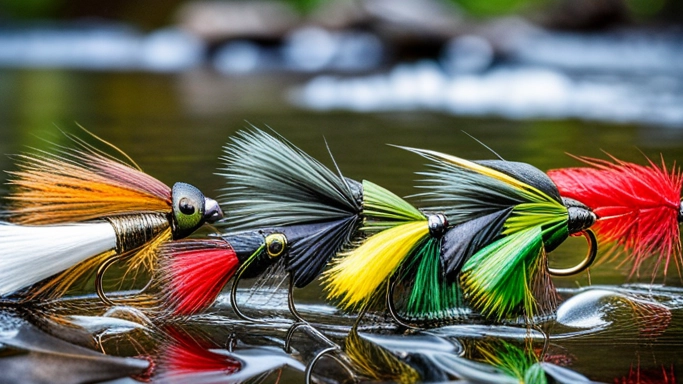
[326,351]
[99,279]
[233,294]
[290,301]
[587,261]
[332,351]
[392,307]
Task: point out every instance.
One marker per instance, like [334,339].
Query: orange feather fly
[81,184]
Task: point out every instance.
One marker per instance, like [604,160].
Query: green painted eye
[188,209]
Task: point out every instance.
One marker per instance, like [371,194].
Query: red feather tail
[193,272]
[187,355]
[637,206]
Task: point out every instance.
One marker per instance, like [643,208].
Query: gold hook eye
[590,257]
[275,244]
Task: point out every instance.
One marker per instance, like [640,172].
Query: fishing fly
[193,272]
[288,211]
[639,207]
[484,241]
[78,208]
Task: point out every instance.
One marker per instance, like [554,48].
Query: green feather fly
[505,274]
[445,299]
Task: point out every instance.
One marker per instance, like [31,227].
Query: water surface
[174,126]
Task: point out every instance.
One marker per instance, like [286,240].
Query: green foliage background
[156,13]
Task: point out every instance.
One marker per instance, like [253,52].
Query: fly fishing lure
[277,194]
[80,207]
[639,206]
[487,233]
[290,210]
[193,272]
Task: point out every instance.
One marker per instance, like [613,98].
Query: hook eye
[590,257]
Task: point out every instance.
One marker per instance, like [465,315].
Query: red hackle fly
[638,206]
[194,272]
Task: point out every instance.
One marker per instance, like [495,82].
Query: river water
[174,126]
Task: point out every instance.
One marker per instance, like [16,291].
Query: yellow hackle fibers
[357,274]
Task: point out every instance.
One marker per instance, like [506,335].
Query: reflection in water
[594,309]
[220,348]
[497,361]
[636,375]
[33,356]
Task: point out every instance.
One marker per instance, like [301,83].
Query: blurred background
[170,80]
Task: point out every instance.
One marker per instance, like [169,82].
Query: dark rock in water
[32,356]
[393,18]
[587,14]
[412,28]
[216,21]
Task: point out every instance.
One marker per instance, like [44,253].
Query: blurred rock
[587,14]
[469,53]
[216,21]
[411,28]
[393,18]
[316,49]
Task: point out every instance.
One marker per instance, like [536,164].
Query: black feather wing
[526,173]
[464,240]
[311,246]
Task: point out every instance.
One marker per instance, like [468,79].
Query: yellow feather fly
[357,275]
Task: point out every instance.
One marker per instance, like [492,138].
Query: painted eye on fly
[186,206]
[275,244]
[188,209]
[191,209]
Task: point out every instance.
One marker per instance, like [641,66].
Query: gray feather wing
[271,182]
[461,191]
